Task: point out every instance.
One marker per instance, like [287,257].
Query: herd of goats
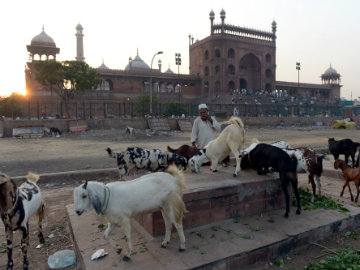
[160,190]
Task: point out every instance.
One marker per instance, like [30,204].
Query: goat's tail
[33,177]
[110,153]
[178,175]
[239,123]
[175,199]
[170,149]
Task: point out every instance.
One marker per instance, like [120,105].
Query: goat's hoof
[352,199]
[126,258]
[181,249]
[118,250]
[298,212]
[234,174]
[164,244]
[286,215]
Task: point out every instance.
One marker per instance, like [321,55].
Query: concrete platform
[226,244]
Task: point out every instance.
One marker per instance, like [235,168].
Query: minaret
[273,28]
[222,16]
[212,17]
[79,43]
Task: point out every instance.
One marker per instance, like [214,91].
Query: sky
[315,33]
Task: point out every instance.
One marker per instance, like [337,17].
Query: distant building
[229,60]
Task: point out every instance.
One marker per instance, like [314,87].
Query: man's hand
[209,118]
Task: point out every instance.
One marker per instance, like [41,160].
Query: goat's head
[194,164]
[85,199]
[330,140]
[245,162]
[339,164]
[7,190]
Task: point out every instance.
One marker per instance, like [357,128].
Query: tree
[68,78]
[143,105]
[11,105]
[175,108]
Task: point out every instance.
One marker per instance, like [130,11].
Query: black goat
[344,147]
[264,156]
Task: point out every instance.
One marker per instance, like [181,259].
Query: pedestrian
[203,128]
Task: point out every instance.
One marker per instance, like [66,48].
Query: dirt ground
[87,150]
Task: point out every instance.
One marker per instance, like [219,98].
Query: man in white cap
[203,128]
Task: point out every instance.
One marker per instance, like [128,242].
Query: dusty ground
[87,150]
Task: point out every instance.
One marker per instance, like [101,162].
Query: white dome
[330,70]
[43,39]
[137,64]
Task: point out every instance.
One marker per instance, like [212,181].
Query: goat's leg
[214,164]
[9,241]
[235,150]
[24,246]
[297,196]
[356,182]
[178,225]
[107,233]
[313,185]
[126,227]
[286,193]
[167,222]
[41,213]
[318,184]
[344,186]
[351,196]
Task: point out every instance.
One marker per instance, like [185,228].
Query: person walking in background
[203,128]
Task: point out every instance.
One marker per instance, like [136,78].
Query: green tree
[68,79]
[11,106]
[142,106]
[175,108]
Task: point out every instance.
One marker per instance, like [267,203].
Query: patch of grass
[215,228]
[222,240]
[279,262]
[236,220]
[213,236]
[271,220]
[101,227]
[198,234]
[352,235]
[228,231]
[243,235]
[256,229]
[347,258]
[142,249]
[57,228]
[195,247]
[2,250]
[320,202]
[202,252]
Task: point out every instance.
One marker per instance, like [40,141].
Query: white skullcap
[202,106]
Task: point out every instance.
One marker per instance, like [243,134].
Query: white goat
[230,140]
[17,205]
[120,201]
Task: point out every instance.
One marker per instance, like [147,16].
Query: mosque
[231,61]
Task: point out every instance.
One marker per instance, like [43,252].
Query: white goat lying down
[230,140]
[119,201]
[17,205]
[308,161]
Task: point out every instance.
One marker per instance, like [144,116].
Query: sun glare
[6,93]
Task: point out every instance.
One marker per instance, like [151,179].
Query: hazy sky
[312,32]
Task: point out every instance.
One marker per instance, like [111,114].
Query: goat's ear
[95,201]
[85,184]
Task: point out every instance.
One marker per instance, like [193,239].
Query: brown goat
[350,174]
[185,150]
[17,205]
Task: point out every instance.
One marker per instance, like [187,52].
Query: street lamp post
[159,52]
[178,63]
[298,69]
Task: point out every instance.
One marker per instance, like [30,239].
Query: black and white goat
[119,201]
[308,161]
[136,158]
[264,156]
[17,205]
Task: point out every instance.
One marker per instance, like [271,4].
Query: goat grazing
[17,205]
[350,174]
[230,140]
[140,159]
[308,161]
[120,201]
[185,150]
[344,147]
[264,156]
